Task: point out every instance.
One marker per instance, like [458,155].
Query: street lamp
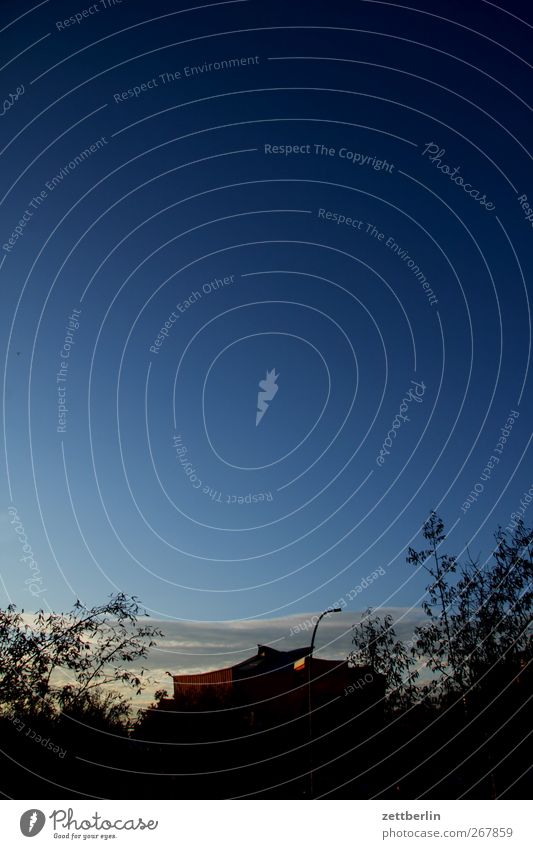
[310,656]
[325,613]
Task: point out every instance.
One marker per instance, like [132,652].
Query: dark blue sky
[210,206]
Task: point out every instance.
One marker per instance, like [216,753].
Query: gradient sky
[288,516]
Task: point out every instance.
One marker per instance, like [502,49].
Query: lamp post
[310,658]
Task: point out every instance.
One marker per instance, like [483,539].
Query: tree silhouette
[70,662]
[436,639]
[376,646]
[492,622]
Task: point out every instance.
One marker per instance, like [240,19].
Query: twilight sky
[333,199]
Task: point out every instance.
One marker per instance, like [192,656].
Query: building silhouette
[274,685]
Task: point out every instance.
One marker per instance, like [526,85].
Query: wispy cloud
[194,647]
